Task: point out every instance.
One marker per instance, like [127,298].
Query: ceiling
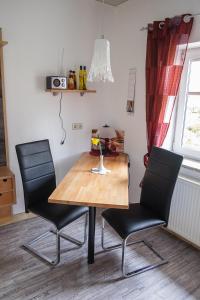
[113,2]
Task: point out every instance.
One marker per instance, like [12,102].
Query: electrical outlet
[77,126]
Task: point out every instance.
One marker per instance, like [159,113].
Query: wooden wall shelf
[81,92]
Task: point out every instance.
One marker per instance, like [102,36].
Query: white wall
[37,31]
[129,50]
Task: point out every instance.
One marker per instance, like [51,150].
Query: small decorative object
[112,141]
[130,106]
[131,90]
[100,169]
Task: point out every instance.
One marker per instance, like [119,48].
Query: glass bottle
[84,78]
[81,78]
[75,80]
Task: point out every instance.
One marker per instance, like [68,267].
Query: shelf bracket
[56,93]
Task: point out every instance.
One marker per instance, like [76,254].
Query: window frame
[192,55]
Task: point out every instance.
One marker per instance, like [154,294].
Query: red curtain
[167,43]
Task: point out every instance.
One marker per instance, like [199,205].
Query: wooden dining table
[82,187]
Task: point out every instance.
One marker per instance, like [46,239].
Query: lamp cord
[61,121]
[102,19]
[61,61]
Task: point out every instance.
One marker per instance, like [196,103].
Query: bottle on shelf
[81,78]
[75,80]
[84,78]
[70,84]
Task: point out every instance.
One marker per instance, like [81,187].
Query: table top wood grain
[82,187]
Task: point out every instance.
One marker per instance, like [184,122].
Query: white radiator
[184,216]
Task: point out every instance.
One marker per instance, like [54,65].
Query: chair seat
[136,218]
[59,214]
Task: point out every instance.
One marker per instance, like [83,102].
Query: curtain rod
[187,16]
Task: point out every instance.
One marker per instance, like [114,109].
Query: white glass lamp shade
[100,68]
[106,132]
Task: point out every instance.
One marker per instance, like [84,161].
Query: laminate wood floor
[23,276]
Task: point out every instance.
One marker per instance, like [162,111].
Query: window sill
[191,169]
[191,164]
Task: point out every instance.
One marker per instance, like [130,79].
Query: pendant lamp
[100,69]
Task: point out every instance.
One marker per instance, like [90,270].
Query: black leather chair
[152,211]
[39,181]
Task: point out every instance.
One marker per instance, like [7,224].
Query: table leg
[91,234]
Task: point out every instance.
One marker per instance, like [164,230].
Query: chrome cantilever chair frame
[59,234]
[124,244]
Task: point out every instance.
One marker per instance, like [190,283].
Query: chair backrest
[159,181]
[37,171]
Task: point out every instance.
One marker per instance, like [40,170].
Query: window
[187,131]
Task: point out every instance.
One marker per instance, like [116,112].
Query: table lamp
[107,133]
